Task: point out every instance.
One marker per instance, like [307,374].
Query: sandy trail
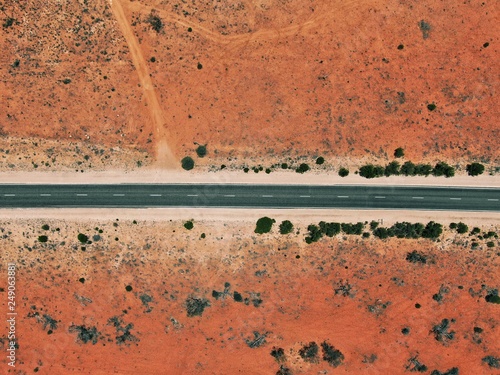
[236,41]
[164,156]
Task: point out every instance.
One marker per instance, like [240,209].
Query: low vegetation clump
[155,22]
[443,169]
[414,365]
[320,160]
[474,169]
[264,225]
[493,362]
[286,227]
[333,356]
[201,151]
[188,225]
[85,334]
[309,352]
[187,163]
[399,152]
[83,238]
[442,333]
[43,239]
[343,172]
[407,169]
[278,354]
[302,168]
[416,257]
[451,371]
[195,306]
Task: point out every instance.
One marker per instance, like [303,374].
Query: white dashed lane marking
[9,195]
[379,197]
[118,195]
[229,195]
[266,196]
[155,195]
[45,195]
[493,200]
[417,197]
[456,199]
[192,195]
[342,196]
[305,196]
[81,195]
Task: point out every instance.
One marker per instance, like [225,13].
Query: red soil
[252,79]
[296,283]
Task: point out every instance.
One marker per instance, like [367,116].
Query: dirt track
[164,156]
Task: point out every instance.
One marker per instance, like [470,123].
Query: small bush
[278,354]
[399,152]
[45,227]
[83,238]
[330,229]
[443,169]
[196,306]
[331,355]
[371,171]
[43,239]
[187,163]
[442,333]
[302,168]
[315,234]
[416,257]
[432,230]
[343,172]
[201,151]
[188,225]
[493,362]
[320,160]
[392,169]
[286,227]
[490,244]
[264,225]
[475,169]
[155,22]
[309,352]
[462,228]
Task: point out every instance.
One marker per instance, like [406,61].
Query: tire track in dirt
[164,155]
[263,34]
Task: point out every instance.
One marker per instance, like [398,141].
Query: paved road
[272,196]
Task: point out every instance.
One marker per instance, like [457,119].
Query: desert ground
[257,82]
[154,297]
[117,91]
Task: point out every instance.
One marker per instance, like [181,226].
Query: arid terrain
[257,82]
[154,297]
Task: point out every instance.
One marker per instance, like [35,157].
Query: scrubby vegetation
[188,225]
[474,169]
[264,225]
[343,172]
[286,227]
[195,306]
[333,356]
[187,163]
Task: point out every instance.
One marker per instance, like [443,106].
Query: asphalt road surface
[255,196]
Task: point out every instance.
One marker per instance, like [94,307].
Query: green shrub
[284,166]
[286,227]
[374,224]
[399,152]
[330,229]
[343,172]
[201,151]
[264,225]
[490,244]
[381,233]
[408,169]
[443,169]
[320,160]
[475,231]
[43,239]
[453,225]
[462,228]
[188,225]
[423,169]
[155,22]
[83,238]
[355,229]
[432,230]
[45,227]
[315,234]
[187,163]
[475,169]
[371,171]
[392,169]
[366,234]
[302,168]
